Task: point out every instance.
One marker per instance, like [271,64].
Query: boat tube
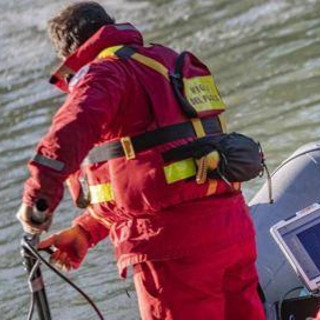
[296,185]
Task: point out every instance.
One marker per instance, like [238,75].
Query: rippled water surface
[266,59]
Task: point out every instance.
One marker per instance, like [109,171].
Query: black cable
[57,272]
[283,298]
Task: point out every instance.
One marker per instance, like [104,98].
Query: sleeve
[96,230]
[75,128]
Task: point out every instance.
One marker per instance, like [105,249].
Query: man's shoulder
[95,72]
[157,49]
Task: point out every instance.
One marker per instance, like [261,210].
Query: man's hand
[33,222]
[70,247]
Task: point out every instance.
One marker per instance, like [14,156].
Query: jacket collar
[107,36]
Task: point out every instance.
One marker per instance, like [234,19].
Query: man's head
[75,24]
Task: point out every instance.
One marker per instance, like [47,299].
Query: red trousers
[216,286]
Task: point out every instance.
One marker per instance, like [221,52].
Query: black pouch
[241,158]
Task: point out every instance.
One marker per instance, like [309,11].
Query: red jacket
[109,98]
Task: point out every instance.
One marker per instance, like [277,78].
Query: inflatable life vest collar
[107,36]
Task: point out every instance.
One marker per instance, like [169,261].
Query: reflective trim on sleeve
[101,193]
[48,162]
[180,170]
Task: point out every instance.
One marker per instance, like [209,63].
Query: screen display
[303,241]
[310,239]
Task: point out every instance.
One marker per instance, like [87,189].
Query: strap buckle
[198,127]
[128,148]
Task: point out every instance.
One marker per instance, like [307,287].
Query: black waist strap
[114,149]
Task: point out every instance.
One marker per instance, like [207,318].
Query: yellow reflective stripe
[108,52]
[180,170]
[101,193]
[151,63]
[97,217]
[198,127]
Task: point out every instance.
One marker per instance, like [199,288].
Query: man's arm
[76,127]
[96,230]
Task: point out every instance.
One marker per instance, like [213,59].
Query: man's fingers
[34,228]
[31,230]
[75,264]
[47,242]
[55,256]
[61,261]
[46,224]
[63,266]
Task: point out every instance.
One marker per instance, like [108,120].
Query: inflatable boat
[296,185]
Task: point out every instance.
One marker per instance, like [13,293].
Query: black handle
[40,211]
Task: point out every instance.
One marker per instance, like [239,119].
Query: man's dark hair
[75,24]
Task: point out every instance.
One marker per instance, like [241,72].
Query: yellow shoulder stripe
[151,63]
[108,52]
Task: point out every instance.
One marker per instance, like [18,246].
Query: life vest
[136,179]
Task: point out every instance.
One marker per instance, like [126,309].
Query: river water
[265,55]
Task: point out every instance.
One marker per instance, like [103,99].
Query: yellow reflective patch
[101,193]
[180,170]
[203,94]
[108,52]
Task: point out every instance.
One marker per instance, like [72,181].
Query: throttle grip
[38,217]
[40,211]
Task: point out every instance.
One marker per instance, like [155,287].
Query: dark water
[266,59]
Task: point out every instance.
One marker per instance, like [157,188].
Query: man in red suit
[189,239]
